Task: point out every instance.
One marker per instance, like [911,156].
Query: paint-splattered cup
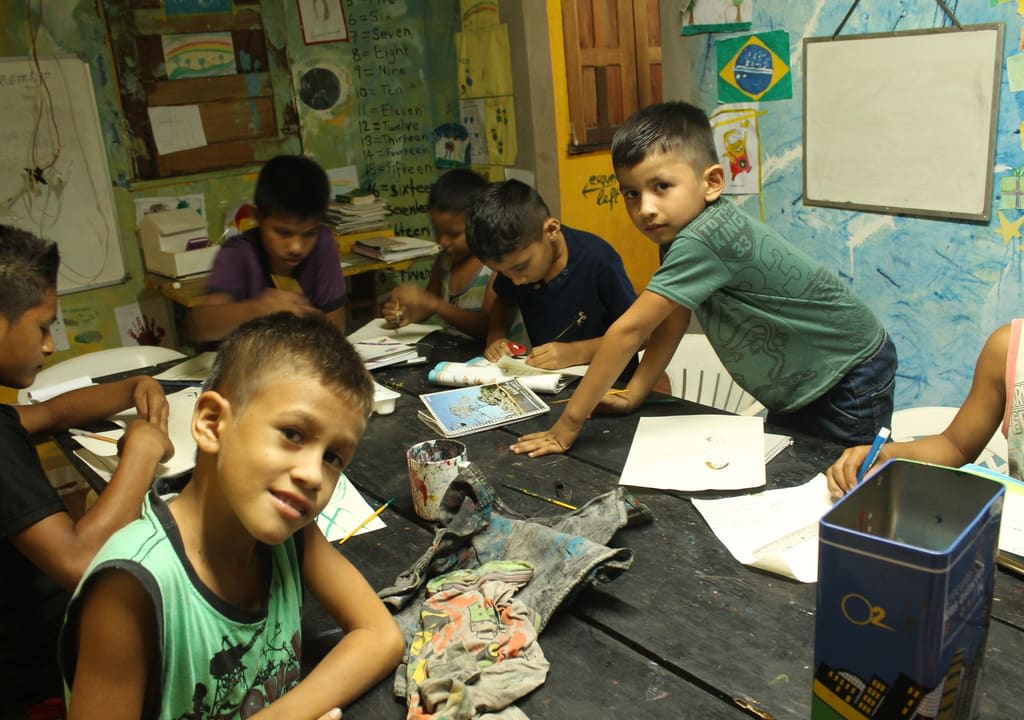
[433,465]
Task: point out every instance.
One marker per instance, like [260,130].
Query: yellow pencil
[610,392]
[364,523]
[94,436]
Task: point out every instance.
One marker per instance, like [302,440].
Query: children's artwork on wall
[478,14]
[473,119]
[1011,192]
[147,322]
[451,146]
[198,55]
[738,141]
[500,124]
[707,16]
[323,21]
[754,67]
[197,7]
[484,69]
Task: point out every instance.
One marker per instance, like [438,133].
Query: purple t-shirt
[242,270]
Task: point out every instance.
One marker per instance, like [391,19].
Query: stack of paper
[195,369]
[358,214]
[1011,527]
[379,328]
[382,352]
[393,249]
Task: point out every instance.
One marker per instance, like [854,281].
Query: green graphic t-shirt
[785,327]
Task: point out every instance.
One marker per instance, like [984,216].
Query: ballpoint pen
[365,522]
[869,459]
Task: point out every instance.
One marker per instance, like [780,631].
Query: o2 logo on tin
[860,611]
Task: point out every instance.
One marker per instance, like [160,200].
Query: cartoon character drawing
[736,150]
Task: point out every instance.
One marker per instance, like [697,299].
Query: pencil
[365,522]
[94,436]
[610,392]
[532,494]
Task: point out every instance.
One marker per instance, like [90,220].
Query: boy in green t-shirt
[788,330]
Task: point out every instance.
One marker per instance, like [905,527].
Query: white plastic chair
[696,374]
[100,363]
[912,423]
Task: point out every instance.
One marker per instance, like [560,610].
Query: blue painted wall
[940,287]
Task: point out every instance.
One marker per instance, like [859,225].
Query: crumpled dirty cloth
[567,552]
[477,648]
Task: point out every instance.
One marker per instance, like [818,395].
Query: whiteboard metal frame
[811,195]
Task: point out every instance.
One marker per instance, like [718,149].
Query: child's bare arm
[117,641]
[370,648]
[978,418]
[95,403]
[220,313]
[501,316]
[621,341]
[557,355]
[63,548]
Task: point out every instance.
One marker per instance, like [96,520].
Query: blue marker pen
[869,459]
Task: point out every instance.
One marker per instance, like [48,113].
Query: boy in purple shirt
[288,263]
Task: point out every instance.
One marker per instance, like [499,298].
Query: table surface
[686,627]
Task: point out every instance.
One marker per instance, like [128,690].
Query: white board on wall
[903,122]
[75,204]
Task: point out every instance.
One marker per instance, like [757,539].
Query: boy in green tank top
[193,610]
[787,329]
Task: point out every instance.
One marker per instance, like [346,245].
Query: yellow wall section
[588,191]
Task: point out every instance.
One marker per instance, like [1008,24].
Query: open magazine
[479,371]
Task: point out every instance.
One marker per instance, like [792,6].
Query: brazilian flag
[754,67]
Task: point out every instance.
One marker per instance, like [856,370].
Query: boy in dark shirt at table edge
[288,263]
[43,550]
[786,328]
[569,285]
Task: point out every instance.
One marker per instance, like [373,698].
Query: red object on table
[516,348]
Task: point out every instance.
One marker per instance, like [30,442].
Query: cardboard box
[175,243]
[906,571]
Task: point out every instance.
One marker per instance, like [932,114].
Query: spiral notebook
[465,410]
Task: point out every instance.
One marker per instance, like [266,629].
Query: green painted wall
[420,50]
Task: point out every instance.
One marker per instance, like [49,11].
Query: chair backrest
[696,374]
[100,363]
[912,423]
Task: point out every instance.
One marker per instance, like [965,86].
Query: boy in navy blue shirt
[569,285]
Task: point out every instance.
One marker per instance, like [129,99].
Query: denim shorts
[853,410]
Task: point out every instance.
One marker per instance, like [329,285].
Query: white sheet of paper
[344,511]
[774,530]
[1011,527]
[378,328]
[176,128]
[691,453]
[519,367]
[42,394]
[179,427]
[194,369]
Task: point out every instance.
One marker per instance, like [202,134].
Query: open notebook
[466,410]
[101,455]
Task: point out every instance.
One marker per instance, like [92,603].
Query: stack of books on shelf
[358,212]
[393,249]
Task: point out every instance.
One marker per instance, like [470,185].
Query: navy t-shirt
[593,283]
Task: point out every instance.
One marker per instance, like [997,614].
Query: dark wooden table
[686,632]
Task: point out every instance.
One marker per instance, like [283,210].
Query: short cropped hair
[292,185]
[453,191]
[665,127]
[503,217]
[296,344]
[28,271]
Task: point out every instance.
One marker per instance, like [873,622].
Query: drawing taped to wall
[737,139]
[707,16]
[198,55]
[323,21]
